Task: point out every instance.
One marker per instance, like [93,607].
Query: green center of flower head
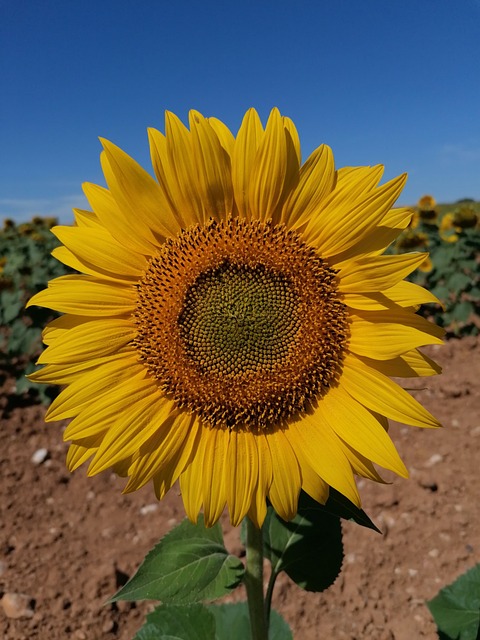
[239,319]
[240,322]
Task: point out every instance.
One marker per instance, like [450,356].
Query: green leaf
[456,609]
[189,564]
[308,548]
[459,281]
[462,311]
[340,506]
[233,623]
[168,622]
[11,304]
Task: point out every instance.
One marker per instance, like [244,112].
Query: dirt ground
[67,542]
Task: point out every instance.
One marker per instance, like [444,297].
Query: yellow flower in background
[411,239]
[414,221]
[465,218]
[427,203]
[234,324]
[447,228]
[426,266]
[427,212]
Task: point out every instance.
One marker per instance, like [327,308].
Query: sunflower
[234,324]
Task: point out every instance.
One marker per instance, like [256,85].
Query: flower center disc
[240,322]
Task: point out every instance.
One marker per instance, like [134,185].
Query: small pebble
[108,626]
[18,605]
[433,460]
[475,432]
[148,508]
[434,553]
[39,456]
[412,572]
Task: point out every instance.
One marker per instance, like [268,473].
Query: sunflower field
[448,233]
[451,236]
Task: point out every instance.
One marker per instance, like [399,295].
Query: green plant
[25,268]
[452,272]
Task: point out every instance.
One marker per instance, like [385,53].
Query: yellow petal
[87,219]
[124,227]
[68,373]
[182,171]
[317,178]
[93,383]
[379,238]
[387,334]
[247,142]
[341,226]
[98,249]
[137,193]
[411,364]
[78,453]
[163,455]
[361,465]
[274,172]
[85,295]
[405,294]
[358,428]
[373,274]
[132,430]
[258,507]
[286,478]
[241,474]
[103,411]
[377,392]
[166,477]
[290,127]
[191,486]
[213,166]
[89,340]
[319,445]
[226,137]
[214,460]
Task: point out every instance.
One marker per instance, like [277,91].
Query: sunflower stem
[254,582]
[268,596]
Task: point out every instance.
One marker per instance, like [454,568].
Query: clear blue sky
[395,82]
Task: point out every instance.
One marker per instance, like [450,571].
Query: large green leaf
[456,609]
[233,623]
[309,548]
[173,622]
[188,565]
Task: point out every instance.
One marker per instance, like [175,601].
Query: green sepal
[189,564]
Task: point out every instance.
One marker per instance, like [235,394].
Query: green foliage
[189,564]
[191,622]
[213,622]
[25,268]
[232,621]
[456,609]
[313,539]
[452,239]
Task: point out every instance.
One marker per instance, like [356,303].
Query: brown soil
[67,541]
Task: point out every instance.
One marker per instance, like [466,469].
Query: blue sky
[395,82]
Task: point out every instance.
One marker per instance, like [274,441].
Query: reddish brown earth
[67,541]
